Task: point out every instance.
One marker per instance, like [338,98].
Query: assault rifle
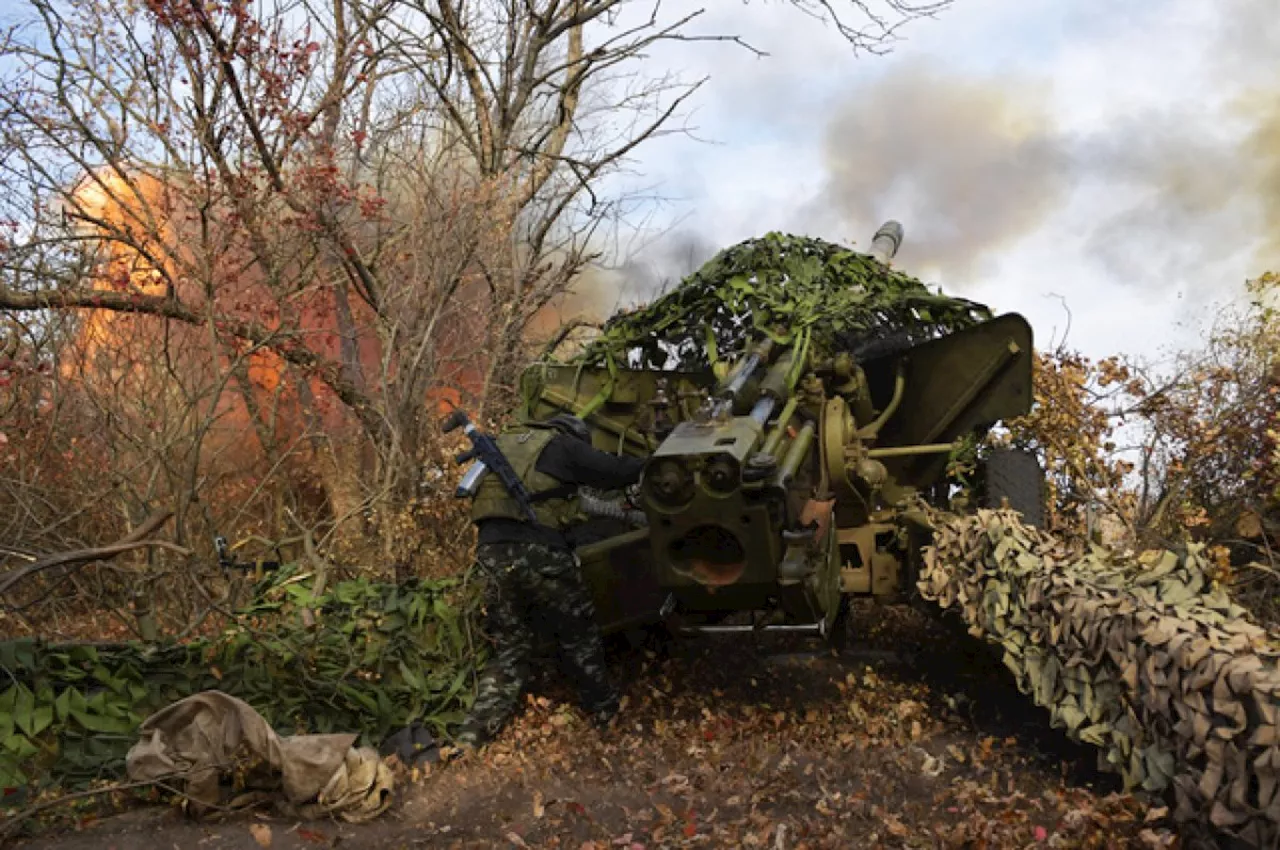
[488,458]
[227,561]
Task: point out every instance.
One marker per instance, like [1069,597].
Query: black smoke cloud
[599,291]
[664,263]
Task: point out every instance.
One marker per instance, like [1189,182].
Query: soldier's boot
[604,712]
[469,736]
[413,745]
[450,753]
[466,741]
[604,720]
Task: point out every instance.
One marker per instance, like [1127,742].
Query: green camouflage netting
[818,295]
[1142,657]
[380,656]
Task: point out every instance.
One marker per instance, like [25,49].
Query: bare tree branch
[128,543]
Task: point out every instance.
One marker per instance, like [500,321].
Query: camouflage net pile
[378,657]
[1144,659]
[793,289]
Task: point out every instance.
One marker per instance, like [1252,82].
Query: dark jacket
[576,464]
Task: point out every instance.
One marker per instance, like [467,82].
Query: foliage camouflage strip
[380,657]
[794,289]
[1146,660]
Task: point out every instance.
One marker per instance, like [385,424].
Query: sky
[1109,170]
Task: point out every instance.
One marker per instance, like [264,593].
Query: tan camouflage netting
[1141,657]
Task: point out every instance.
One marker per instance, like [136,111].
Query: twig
[135,540]
[23,815]
[159,782]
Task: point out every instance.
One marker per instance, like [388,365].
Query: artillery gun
[788,478]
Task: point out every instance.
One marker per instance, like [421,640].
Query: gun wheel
[838,635]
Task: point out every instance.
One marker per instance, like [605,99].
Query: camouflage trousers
[535,590]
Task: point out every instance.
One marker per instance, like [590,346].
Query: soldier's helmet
[571,426]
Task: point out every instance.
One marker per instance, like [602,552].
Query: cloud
[974,164]
[966,164]
[599,291]
[1123,156]
[1262,150]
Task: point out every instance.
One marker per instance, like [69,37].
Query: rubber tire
[1015,475]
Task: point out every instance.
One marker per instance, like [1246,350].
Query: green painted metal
[747,515]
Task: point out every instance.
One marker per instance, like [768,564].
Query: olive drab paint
[801,407]
[523,445]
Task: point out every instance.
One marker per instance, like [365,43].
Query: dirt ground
[912,737]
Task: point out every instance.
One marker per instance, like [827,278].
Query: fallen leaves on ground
[773,746]
[725,746]
[261,833]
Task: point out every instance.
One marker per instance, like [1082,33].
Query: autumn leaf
[261,833]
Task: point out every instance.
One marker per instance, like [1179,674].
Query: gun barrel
[887,241]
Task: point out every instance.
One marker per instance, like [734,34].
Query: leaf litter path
[913,737]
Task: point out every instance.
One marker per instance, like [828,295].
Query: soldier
[535,584]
